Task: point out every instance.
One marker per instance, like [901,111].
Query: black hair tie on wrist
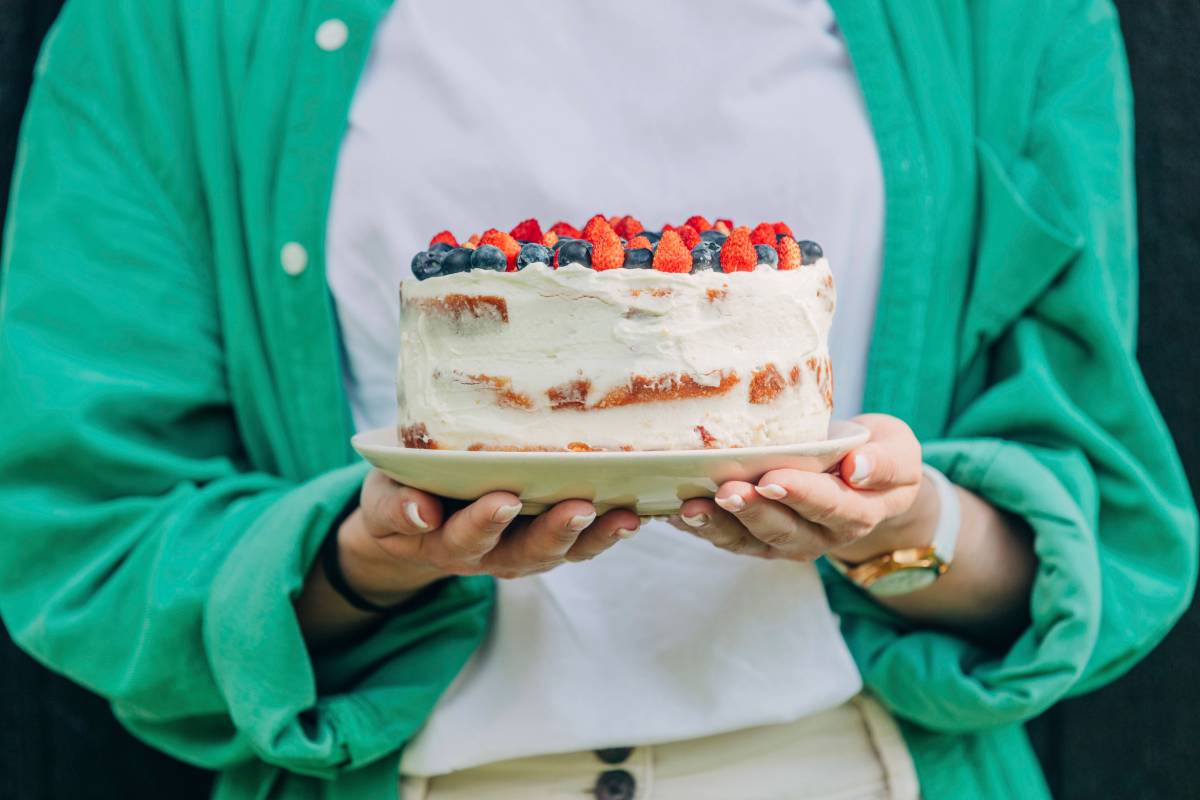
[337,579]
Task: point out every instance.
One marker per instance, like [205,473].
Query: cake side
[578,359]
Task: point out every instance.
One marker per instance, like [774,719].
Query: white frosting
[474,378]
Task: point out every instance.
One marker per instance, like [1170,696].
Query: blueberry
[427,264]
[810,252]
[441,247]
[651,236]
[712,235]
[563,240]
[703,258]
[767,255]
[457,260]
[488,256]
[575,252]
[533,253]
[639,258]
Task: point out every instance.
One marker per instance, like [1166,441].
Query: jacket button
[332,34]
[294,258]
[614,755]
[616,784]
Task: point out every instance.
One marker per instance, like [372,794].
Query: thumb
[891,458]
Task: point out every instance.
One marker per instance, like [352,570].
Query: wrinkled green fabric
[176,437]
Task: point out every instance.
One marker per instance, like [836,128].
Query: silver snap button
[294,258]
[332,34]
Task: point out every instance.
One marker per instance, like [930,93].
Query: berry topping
[789,252]
[810,252]
[699,223]
[473,242]
[640,241]
[428,264]
[712,235]
[573,251]
[639,257]
[589,230]
[457,260]
[607,252]
[737,254]
[566,229]
[763,233]
[488,256]
[527,231]
[505,242]
[441,247]
[725,226]
[782,229]
[628,227]
[690,236]
[534,253]
[614,221]
[703,258]
[671,255]
[766,255]
[651,236]
[549,238]
[446,237]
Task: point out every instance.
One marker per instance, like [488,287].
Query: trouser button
[615,784]
[614,755]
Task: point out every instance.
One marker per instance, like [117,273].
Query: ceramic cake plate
[649,482]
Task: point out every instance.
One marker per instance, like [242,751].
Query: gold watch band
[870,571]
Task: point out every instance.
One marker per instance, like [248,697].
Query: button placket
[615,784]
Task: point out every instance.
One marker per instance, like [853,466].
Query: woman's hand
[401,539]
[870,505]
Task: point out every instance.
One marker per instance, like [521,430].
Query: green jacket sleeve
[1053,422]
[142,552]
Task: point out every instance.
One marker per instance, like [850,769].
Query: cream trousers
[852,752]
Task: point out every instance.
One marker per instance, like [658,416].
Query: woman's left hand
[868,506]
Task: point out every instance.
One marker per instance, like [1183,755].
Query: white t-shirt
[473,115]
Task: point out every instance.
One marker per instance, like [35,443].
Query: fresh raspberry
[628,227]
[607,252]
[507,244]
[527,231]
[473,242]
[672,255]
[446,237]
[566,229]
[699,223]
[690,236]
[782,229]
[789,252]
[737,253]
[549,238]
[763,233]
[614,221]
[589,230]
[725,226]
[640,241]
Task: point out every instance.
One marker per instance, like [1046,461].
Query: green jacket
[175,435]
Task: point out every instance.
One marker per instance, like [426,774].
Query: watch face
[904,581]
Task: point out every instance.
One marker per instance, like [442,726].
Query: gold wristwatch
[913,568]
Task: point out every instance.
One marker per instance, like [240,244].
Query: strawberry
[550,238]
[589,230]
[782,229]
[689,235]
[640,241]
[763,233]
[566,229]
[507,244]
[607,252]
[628,227]
[789,252]
[699,223]
[527,231]
[672,255]
[614,221]
[737,253]
[446,237]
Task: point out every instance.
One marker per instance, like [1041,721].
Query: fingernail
[732,503]
[625,533]
[414,516]
[862,469]
[506,513]
[695,521]
[772,491]
[581,521]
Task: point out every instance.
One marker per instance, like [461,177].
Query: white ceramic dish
[650,482]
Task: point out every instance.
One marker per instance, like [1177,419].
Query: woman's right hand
[401,539]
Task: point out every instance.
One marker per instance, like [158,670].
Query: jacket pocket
[1025,242]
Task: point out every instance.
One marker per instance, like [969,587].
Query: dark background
[1139,738]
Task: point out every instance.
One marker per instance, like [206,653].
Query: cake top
[620,243]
